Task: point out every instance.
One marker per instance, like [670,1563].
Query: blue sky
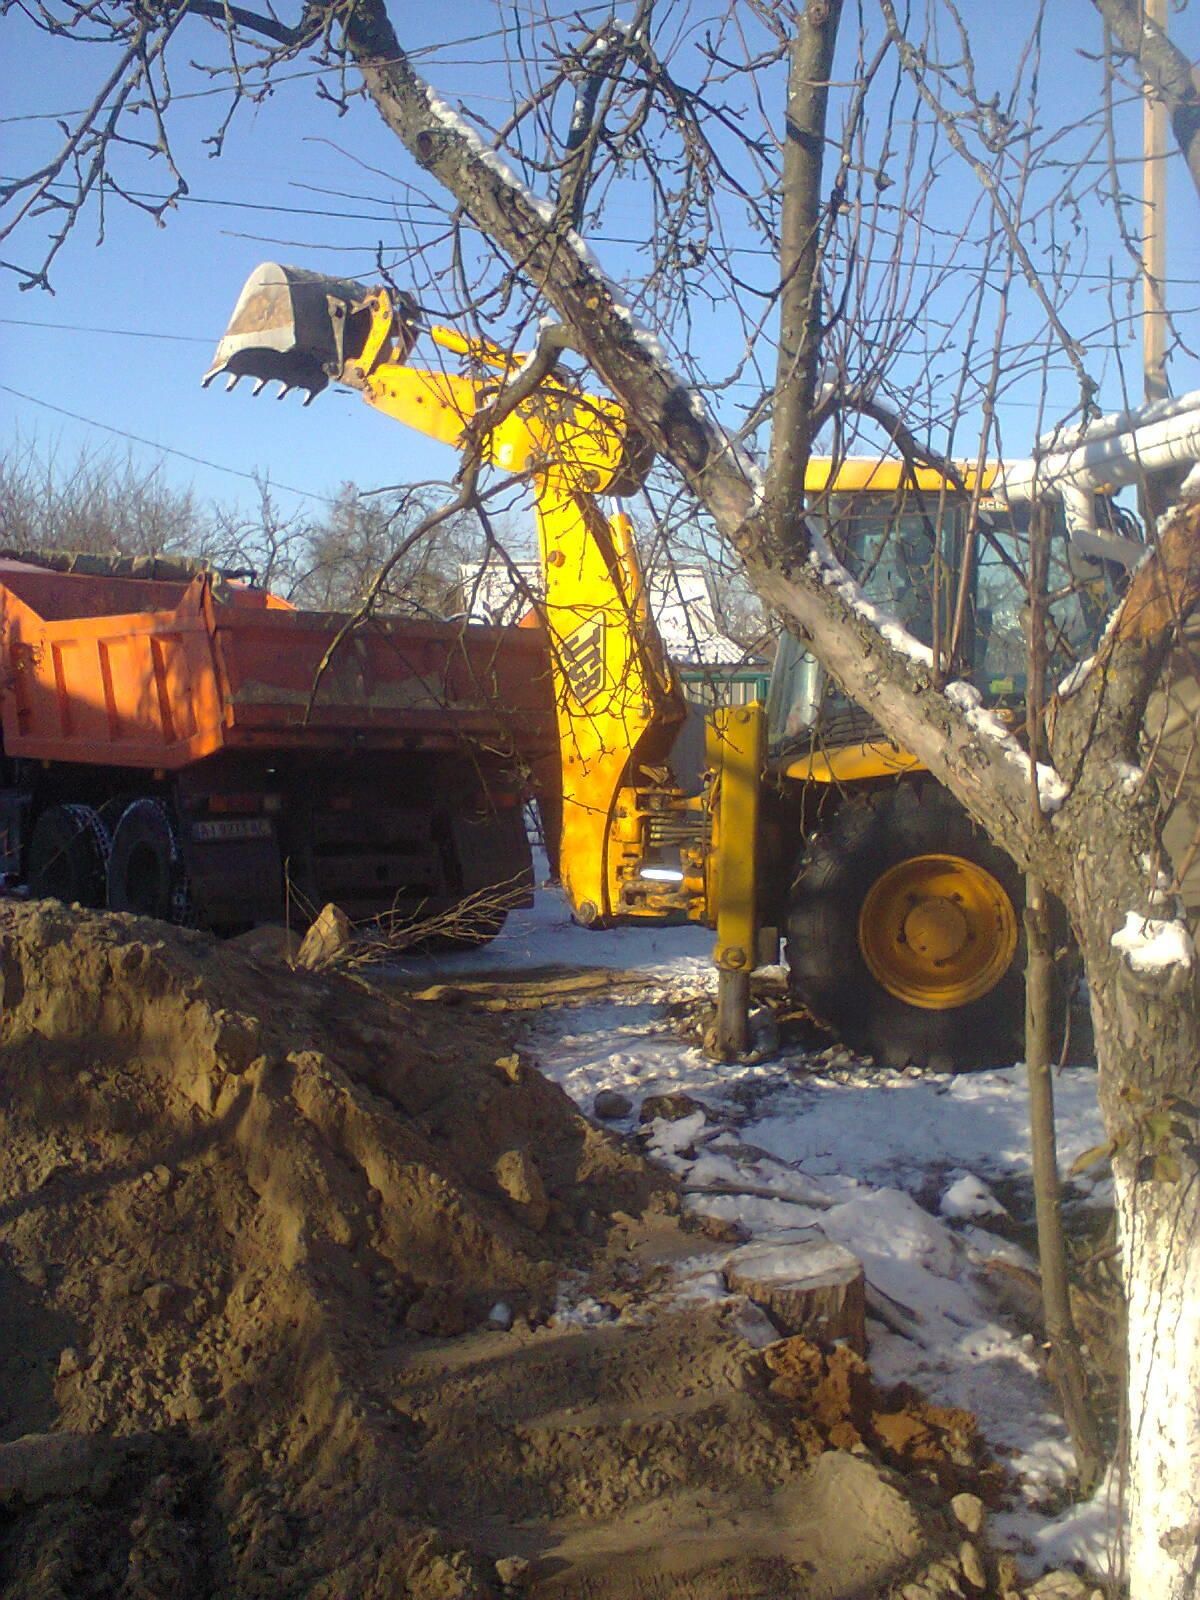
[168,291]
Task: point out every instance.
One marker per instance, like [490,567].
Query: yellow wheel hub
[937,931]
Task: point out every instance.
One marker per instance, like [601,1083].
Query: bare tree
[103,503]
[271,548]
[809,230]
[99,501]
[347,547]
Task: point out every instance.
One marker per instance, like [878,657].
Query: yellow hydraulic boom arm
[631,843]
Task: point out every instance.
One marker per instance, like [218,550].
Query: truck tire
[905,932]
[145,868]
[68,855]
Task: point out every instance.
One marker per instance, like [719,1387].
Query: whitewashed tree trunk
[1147,1028]
[1161,1255]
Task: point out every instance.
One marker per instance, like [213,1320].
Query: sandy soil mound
[838,1407]
[252,1228]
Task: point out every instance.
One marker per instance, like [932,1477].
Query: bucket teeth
[260,386]
[289,327]
[231,382]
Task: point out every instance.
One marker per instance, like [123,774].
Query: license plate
[233,828]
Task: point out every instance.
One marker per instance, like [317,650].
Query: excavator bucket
[293,327]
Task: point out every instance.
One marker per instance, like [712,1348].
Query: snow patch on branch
[544,209]
[453,123]
[834,576]
[1051,789]
[1075,678]
[1153,946]
[646,337]
[966,697]
[649,341]
[1129,777]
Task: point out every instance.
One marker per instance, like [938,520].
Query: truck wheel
[145,869]
[905,932]
[68,855]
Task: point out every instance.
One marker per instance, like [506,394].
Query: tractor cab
[949,566]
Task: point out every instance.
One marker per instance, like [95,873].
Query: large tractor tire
[145,869]
[905,932]
[68,855]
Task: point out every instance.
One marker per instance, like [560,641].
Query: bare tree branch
[811,62]
[1166,70]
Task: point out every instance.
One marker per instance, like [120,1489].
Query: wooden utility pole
[1154,228]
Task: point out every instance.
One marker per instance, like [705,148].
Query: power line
[120,333]
[193,338]
[248,205]
[1068,276]
[165,449]
[242,88]
[759,251]
[186,94]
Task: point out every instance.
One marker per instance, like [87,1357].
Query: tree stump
[815,1288]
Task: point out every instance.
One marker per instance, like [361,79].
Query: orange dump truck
[165,750]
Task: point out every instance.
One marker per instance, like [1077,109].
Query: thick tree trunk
[1166,69]
[1160,1238]
[1148,1044]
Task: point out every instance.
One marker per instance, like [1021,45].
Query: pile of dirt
[838,1407]
[278,1257]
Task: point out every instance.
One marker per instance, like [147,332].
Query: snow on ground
[544,936]
[801,1146]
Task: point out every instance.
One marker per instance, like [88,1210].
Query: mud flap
[492,851]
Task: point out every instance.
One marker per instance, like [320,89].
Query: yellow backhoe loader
[630,843]
[902,921]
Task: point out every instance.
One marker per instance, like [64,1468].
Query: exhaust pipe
[1114,452]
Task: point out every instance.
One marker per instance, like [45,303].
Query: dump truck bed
[141,673]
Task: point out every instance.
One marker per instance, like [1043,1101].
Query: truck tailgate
[390,680]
